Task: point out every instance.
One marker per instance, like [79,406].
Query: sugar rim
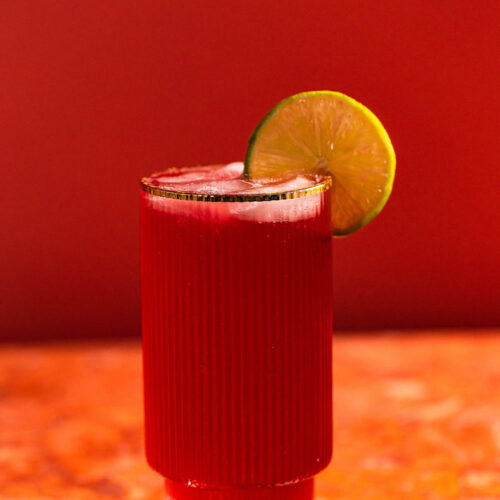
[321,186]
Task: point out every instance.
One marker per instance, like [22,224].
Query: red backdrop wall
[95,94]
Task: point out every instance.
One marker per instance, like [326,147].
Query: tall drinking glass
[237,325]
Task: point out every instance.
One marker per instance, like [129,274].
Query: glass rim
[319,187]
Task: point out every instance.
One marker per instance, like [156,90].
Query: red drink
[237,317]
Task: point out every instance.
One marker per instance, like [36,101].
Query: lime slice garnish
[327,132]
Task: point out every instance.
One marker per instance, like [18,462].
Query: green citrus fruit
[327,132]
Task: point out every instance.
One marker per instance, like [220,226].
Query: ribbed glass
[237,319]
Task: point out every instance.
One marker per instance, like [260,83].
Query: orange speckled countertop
[417,416]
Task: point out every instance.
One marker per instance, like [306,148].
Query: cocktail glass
[236,325]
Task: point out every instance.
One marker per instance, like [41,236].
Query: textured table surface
[417,416]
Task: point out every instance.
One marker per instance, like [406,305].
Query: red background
[95,94]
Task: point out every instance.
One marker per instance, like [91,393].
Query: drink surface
[227,182]
[225,179]
[237,317]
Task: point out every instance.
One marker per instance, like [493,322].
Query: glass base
[303,490]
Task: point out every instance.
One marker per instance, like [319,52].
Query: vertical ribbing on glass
[236,318]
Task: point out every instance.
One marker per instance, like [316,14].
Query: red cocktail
[237,325]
